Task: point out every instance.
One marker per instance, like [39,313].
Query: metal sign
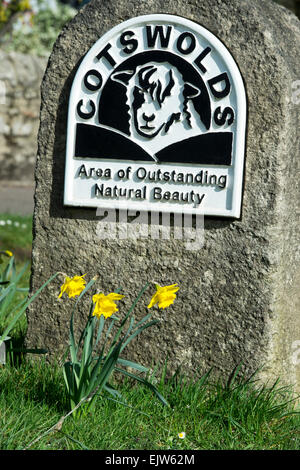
[157,121]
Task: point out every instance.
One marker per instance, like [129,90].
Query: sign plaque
[157,121]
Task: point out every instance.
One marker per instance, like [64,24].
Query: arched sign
[157,121]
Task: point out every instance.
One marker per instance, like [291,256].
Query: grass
[239,414]
[214,416]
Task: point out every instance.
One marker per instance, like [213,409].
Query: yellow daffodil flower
[9,253]
[73,286]
[105,304]
[164,296]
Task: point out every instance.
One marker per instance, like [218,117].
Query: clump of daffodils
[86,376]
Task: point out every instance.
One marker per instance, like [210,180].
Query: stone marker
[235,64]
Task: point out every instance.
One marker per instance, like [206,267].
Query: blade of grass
[74,440]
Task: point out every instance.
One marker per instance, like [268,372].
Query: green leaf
[14,321]
[5,291]
[30,351]
[112,322]
[130,327]
[9,296]
[69,378]
[127,406]
[88,342]
[85,375]
[117,335]
[115,393]
[152,322]
[100,379]
[146,383]
[24,307]
[138,297]
[133,365]
[18,276]
[73,348]
[10,268]
[100,328]
[143,320]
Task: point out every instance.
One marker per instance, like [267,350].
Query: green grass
[239,414]
[214,416]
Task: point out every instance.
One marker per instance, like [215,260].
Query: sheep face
[156,96]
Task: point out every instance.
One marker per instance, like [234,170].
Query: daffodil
[181,435]
[164,296]
[5,253]
[105,304]
[73,286]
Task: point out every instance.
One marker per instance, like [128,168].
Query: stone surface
[20,81]
[239,294]
[293,5]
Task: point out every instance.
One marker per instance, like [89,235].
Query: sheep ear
[122,77]
[190,91]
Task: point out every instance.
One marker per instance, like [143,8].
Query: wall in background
[20,79]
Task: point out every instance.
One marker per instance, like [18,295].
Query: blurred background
[28,30]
